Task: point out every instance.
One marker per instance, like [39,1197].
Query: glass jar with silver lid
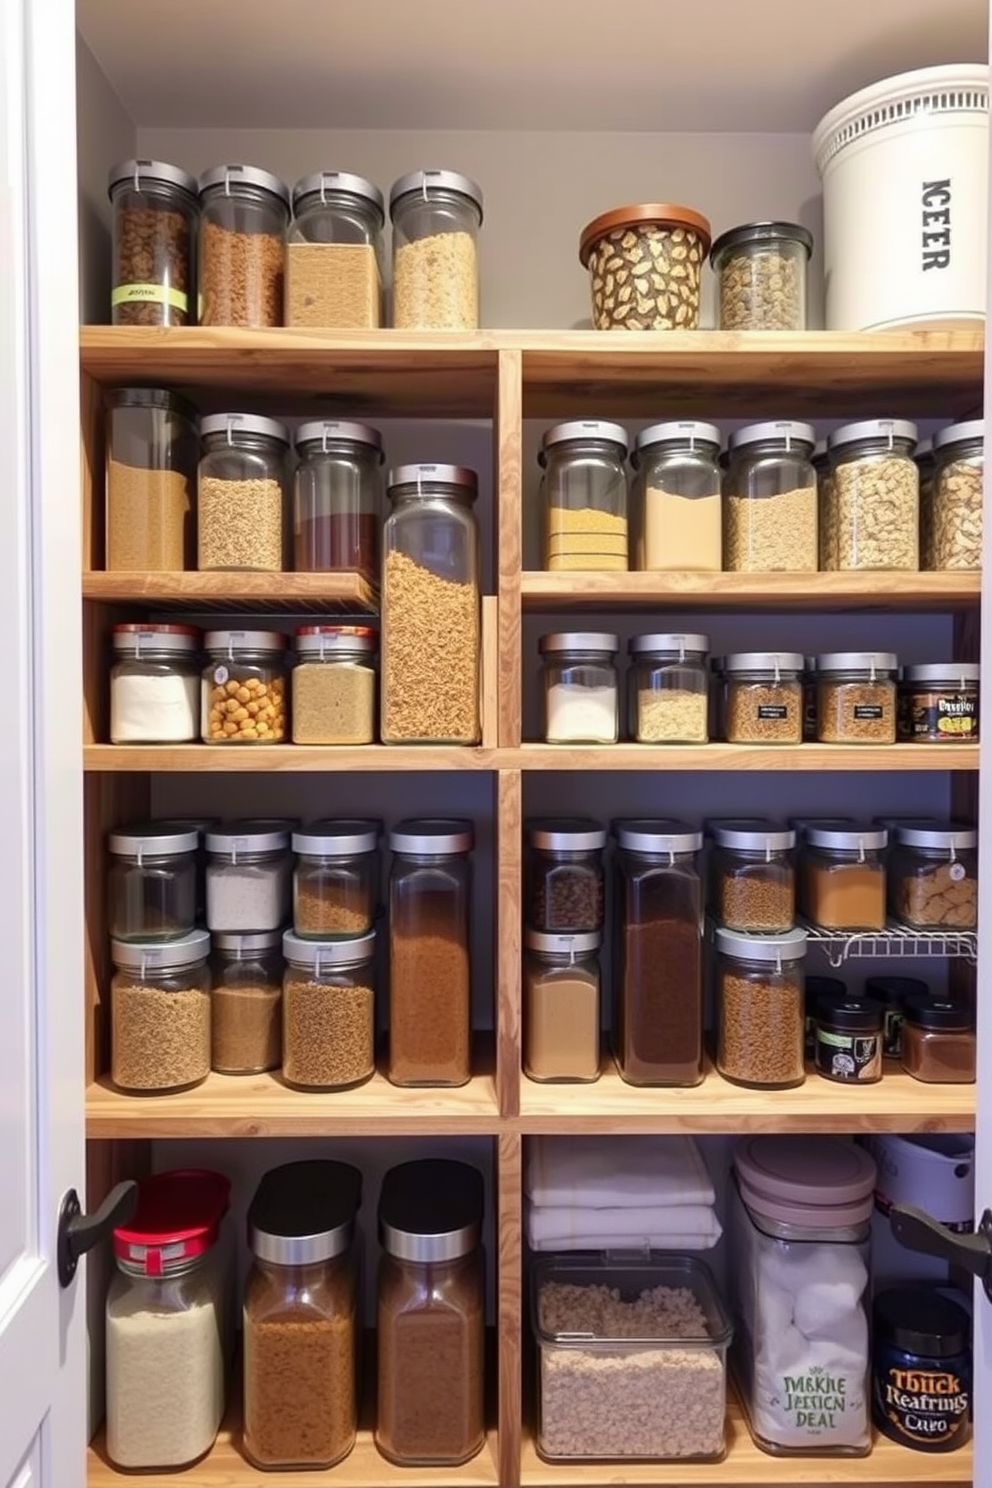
[753,878]
[160,1013]
[761,1030]
[770,505]
[334,253]
[842,877]
[244,212]
[151,882]
[668,694]
[564,881]
[154,684]
[246,1002]
[679,520]
[241,493]
[856,697]
[953,513]
[337,498]
[585,496]
[156,212]
[580,687]
[436,216]
[763,697]
[336,878]
[328,1002]
[933,877]
[874,511]
[248,876]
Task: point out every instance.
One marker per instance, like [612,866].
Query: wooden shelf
[742,757]
[541,591]
[305,758]
[337,593]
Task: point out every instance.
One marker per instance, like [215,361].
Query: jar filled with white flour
[249,870]
[154,685]
[580,687]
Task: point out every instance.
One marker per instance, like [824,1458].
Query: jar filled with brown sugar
[301,1317]
[679,521]
[761,1031]
[938,1041]
[336,878]
[843,877]
[753,876]
[561,1006]
[933,877]
[246,1002]
[244,212]
[337,498]
[763,697]
[856,697]
[160,1013]
[564,886]
[156,212]
[334,253]
[328,1012]
[430,987]
[431,1315]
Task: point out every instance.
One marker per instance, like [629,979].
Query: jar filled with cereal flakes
[245,687]
[156,212]
[875,495]
[645,264]
[334,253]
[770,505]
[436,216]
[160,1013]
[244,213]
[856,697]
[761,269]
[585,496]
[955,521]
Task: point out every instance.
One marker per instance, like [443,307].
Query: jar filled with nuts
[761,1031]
[753,876]
[244,213]
[156,212]
[678,489]
[644,267]
[875,495]
[241,493]
[763,698]
[244,688]
[436,216]
[933,877]
[956,514]
[328,1007]
[770,507]
[856,697]
[762,272]
[668,689]
[564,875]
[585,496]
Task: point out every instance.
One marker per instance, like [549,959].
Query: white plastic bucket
[934,1173]
[904,166]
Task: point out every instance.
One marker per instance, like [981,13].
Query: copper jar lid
[656,214]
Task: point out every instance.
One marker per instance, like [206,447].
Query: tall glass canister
[436,216]
[770,519]
[334,253]
[678,513]
[156,212]
[244,213]
[337,498]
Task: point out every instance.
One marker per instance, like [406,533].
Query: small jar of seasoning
[156,211]
[679,520]
[246,1002]
[564,875]
[939,703]
[241,494]
[770,504]
[152,452]
[820,989]
[248,876]
[585,496]
[244,213]
[328,1012]
[856,697]
[337,498]
[244,690]
[921,1369]
[848,1041]
[151,884]
[760,996]
[668,698]
[336,878]
[933,877]
[753,876]
[154,684]
[875,493]
[436,216]
[335,684]
[761,269]
[938,1041]
[645,264]
[893,992]
[334,253]
[580,687]
[764,697]
[842,878]
[955,520]
[160,1013]
[561,1006]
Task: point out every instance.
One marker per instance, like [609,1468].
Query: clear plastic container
[938,1041]
[248,876]
[561,1006]
[770,505]
[155,684]
[761,1033]
[679,520]
[645,264]
[763,697]
[436,216]
[156,212]
[337,499]
[856,697]
[151,883]
[875,495]
[752,868]
[580,687]
[933,877]
[938,703]
[328,1007]
[334,253]
[336,878]
[244,697]
[955,520]
[334,684]
[585,496]
[564,888]
[669,689]
[244,213]
[160,1014]
[842,879]
[241,493]
[761,269]
[151,459]
[246,1002]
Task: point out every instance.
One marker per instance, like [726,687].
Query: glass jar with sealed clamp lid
[248,875]
[337,499]
[561,1006]
[160,1013]
[921,1369]
[939,703]
[154,684]
[770,503]
[156,212]
[955,520]
[246,1002]
[436,216]
[431,607]
[328,1012]
[585,496]
[668,689]
[151,883]
[336,878]
[151,458]
[761,1028]
[334,684]
[875,495]
[763,697]
[842,877]
[244,690]
[938,1041]
[933,877]
[848,1039]
[241,493]
[580,687]
[564,875]
[679,521]
[753,877]
[761,268]
[334,253]
[244,213]
[856,697]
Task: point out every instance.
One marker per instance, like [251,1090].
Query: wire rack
[892,942]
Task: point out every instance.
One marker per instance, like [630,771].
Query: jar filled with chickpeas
[244,694]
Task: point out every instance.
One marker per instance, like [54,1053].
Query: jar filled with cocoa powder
[337,498]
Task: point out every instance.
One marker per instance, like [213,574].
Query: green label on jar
[156,294]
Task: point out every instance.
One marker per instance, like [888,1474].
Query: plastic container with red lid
[644,267]
[177,1219]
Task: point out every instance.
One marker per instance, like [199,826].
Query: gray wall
[105,134]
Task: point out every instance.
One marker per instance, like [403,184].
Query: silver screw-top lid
[423,182]
[134,641]
[563,944]
[327,185]
[423,480]
[142,173]
[232,641]
[884,429]
[751,835]
[328,955]
[431,1211]
[152,840]
[234,180]
[304,1212]
[687,432]
[325,432]
[848,839]
[578,640]
[249,835]
[341,838]
[790,945]
[242,944]
[664,835]
[944,673]
[857,661]
[424,836]
[566,834]
[764,661]
[143,956]
[787,432]
[678,645]
[962,433]
[234,424]
[951,837]
[586,429]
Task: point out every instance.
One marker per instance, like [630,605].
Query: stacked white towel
[619,1193]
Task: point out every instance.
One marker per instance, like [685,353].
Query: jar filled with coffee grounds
[336,878]
[561,1006]
[763,697]
[244,212]
[585,496]
[328,1012]
[753,876]
[842,878]
[431,1315]
[337,499]
[153,447]
[856,697]
[246,1002]
[761,1031]
[334,253]
[938,1041]
[156,213]
[301,1317]
[564,875]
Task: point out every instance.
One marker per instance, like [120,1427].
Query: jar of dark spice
[753,876]
[246,1002]
[658,992]
[561,1006]
[301,1317]
[336,878]
[848,1041]
[938,1041]
[431,1315]
[156,212]
[337,498]
[761,1008]
[151,884]
[430,985]
[244,213]
[328,1012]
[921,1369]
[564,892]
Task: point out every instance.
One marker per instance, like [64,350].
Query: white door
[42,1327]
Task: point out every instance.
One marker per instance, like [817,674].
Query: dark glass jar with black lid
[848,1040]
[921,1369]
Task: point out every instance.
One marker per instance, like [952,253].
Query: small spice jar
[244,213]
[328,1012]
[431,624]
[337,498]
[933,877]
[875,493]
[753,876]
[763,697]
[334,684]
[241,493]
[564,875]
[431,1315]
[761,268]
[761,1031]
[856,697]
[244,688]
[644,267]
[585,496]
[336,878]
[248,876]
[334,253]
[151,883]
[955,505]
[939,703]
[302,1316]
[848,1041]
[669,689]
[893,992]
[154,684]
[561,1006]
[160,1013]
[151,457]
[580,687]
[679,521]
[430,984]
[436,216]
[770,500]
[156,212]
[843,877]
[246,1002]
[938,1041]
[921,1369]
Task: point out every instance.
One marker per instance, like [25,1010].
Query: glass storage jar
[334,253]
[658,976]
[761,272]
[246,1002]
[645,264]
[336,878]
[160,1013]
[561,1006]
[436,216]
[151,883]
[430,983]
[585,496]
[938,1041]
[668,697]
[753,876]
[154,684]
[679,522]
[761,1032]
[939,703]
[334,684]
[770,506]
[955,505]
[856,697]
[244,689]
[842,880]
[848,1040]
[169,1323]
[337,499]
[241,493]
[431,1315]
[153,446]
[763,697]
[564,875]
[799,1225]
[302,1316]
[580,687]
[201,825]
[156,212]
[244,213]
[933,877]
[430,607]
[248,875]
[875,494]
[328,1012]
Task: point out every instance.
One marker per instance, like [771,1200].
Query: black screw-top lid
[430,1210]
[304,1212]
[920,1321]
[928,1012]
[895,990]
[855,1015]
[824,989]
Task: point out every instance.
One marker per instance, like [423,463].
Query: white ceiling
[601,65]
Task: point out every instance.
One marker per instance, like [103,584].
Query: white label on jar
[958,872]
[221,675]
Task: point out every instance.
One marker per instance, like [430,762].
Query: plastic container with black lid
[848,1041]
[921,1369]
[938,1041]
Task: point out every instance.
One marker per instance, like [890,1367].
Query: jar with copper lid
[645,266]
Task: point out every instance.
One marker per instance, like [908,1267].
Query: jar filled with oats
[874,495]
[334,253]
[763,697]
[955,521]
[761,268]
[645,264]
[770,507]
[585,496]
[241,493]
[856,697]
[436,216]
[244,213]
[668,689]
